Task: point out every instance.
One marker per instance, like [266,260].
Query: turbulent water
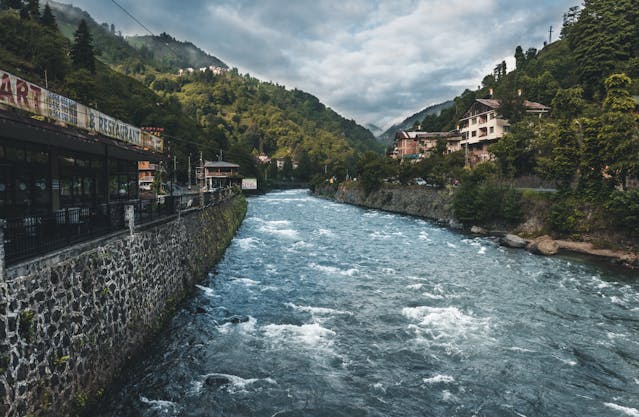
[321,309]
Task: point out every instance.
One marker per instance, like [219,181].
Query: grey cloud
[372,61]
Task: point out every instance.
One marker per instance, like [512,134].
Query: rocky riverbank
[437,205]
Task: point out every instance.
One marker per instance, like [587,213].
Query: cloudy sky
[376,61]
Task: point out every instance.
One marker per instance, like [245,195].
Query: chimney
[519,92]
[491,92]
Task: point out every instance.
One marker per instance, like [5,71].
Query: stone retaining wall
[70,321]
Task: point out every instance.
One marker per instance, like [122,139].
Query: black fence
[31,236]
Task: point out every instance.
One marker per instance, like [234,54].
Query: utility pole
[174,168]
[189,171]
[202,171]
[550,36]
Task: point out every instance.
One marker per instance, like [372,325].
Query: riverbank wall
[70,321]
[430,203]
[437,205]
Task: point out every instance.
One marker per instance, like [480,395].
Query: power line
[132,17]
[136,20]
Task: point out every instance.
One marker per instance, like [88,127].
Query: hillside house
[482,126]
[415,146]
[218,174]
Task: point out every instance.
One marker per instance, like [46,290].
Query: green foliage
[371,171]
[486,203]
[514,152]
[623,210]
[604,34]
[568,103]
[48,19]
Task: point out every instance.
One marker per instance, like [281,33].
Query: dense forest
[199,112]
[588,146]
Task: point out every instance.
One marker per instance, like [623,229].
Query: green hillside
[234,112]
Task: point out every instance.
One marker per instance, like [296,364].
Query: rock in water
[544,245]
[476,230]
[237,319]
[217,380]
[513,241]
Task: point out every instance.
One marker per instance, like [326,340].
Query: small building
[482,126]
[219,174]
[146,174]
[415,146]
[281,161]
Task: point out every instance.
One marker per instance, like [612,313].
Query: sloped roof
[402,134]
[220,164]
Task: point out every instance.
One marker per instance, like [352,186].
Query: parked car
[420,181]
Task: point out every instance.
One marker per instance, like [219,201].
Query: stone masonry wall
[71,321]
[418,201]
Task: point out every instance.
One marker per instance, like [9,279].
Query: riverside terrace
[61,185]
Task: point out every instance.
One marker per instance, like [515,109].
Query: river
[322,309]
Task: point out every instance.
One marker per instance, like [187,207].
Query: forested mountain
[169,53]
[234,112]
[135,54]
[408,123]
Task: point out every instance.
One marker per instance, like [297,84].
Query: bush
[484,203]
[623,210]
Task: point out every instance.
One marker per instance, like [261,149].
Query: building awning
[21,129]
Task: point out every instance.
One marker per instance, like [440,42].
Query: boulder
[476,230]
[217,380]
[513,241]
[544,245]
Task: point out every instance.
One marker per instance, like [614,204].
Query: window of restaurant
[123,180]
[24,179]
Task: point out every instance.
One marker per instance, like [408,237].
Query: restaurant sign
[16,92]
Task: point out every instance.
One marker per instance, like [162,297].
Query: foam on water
[318,310]
[247,327]
[246,281]
[331,270]
[633,412]
[236,384]
[207,291]
[415,286]
[247,243]
[160,405]
[432,296]
[438,379]
[311,335]
[444,322]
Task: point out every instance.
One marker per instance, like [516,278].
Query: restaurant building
[62,163]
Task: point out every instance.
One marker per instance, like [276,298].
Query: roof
[220,164]
[402,134]
[494,104]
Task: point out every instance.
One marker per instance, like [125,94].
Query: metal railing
[30,236]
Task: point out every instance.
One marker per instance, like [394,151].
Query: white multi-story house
[482,126]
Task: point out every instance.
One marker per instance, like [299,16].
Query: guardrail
[31,236]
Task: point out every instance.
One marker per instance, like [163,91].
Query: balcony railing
[31,236]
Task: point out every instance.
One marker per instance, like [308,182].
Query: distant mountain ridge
[163,52]
[408,123]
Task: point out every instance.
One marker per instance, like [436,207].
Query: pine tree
[33,6]
[11,4]
[520,58]
[82,53]
[48,19]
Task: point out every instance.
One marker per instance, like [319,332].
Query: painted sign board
[21,94]
[249,183]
